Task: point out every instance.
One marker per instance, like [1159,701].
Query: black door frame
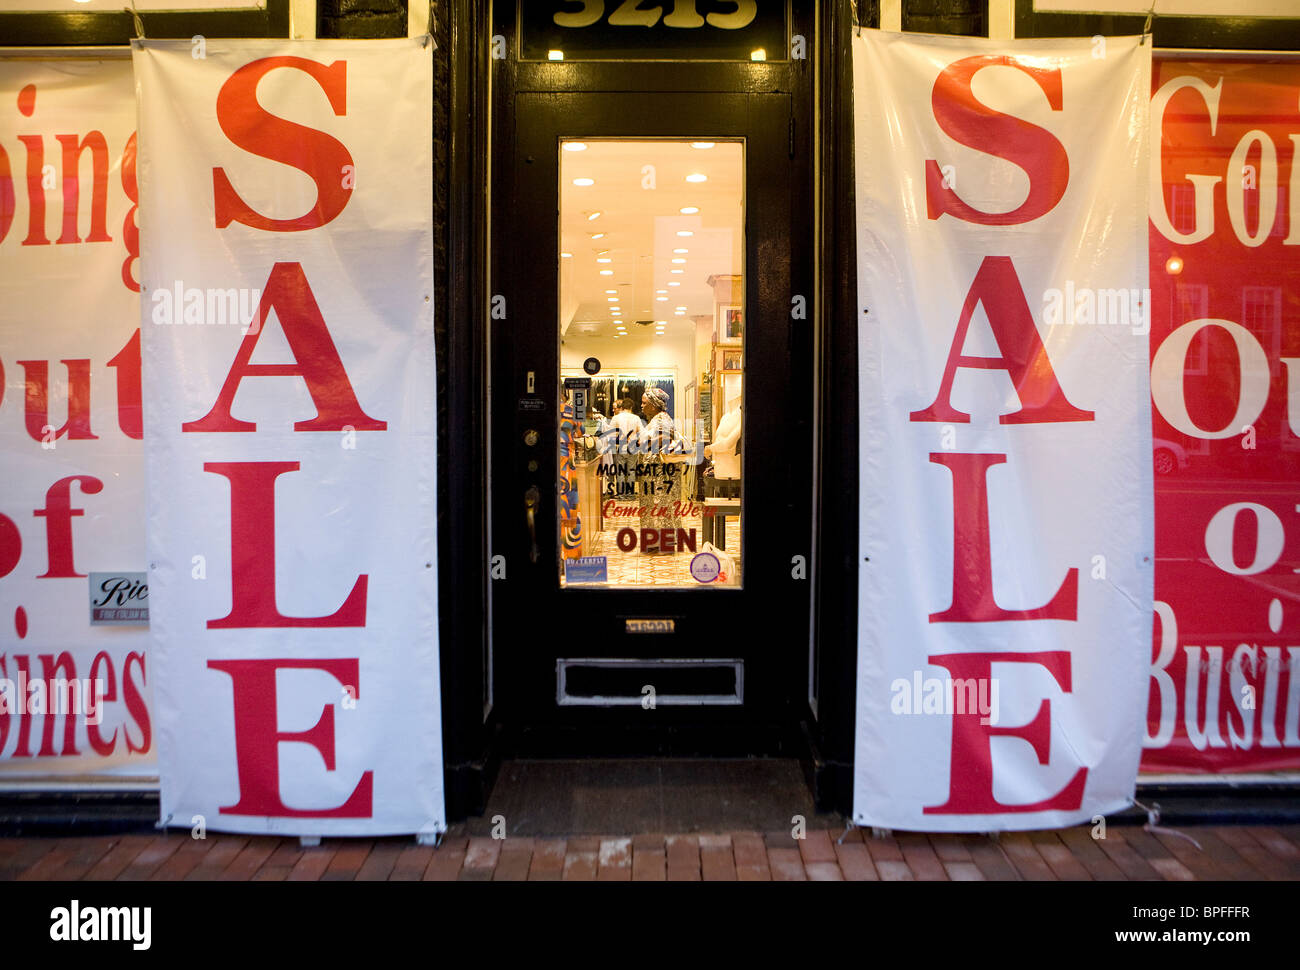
[468,157]
[771,105]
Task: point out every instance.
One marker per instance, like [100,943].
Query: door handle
[531,498]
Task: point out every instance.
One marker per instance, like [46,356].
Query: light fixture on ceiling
[603,259]
[575,146]
[555,55]
[685,232]
[689,210]
[662,299]
[566,255]
[674,282]
[702,144]
[758,55]
[597,235]
[681,251]
[697,177]
[606,272]
[677,271]
[584,181]
[679,308]
[594,215]
[679,260]
[611,299]
[611,291]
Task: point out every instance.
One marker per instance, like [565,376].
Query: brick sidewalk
[1127,853]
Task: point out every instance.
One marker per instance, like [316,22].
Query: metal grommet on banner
[135,17]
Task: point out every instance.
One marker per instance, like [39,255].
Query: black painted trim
[468,763]
[1219,33]
[105,29]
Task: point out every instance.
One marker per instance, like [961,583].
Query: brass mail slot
[656,625]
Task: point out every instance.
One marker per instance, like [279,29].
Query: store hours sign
[286,315]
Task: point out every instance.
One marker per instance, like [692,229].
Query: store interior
[652,323]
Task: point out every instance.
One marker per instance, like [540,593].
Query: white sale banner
[75,693]
[1005,584]
[287,322]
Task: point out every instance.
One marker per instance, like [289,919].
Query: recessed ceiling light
[606,272]
[680,313]
[674,282]
[661,291]
[680,308]
[662,299]
[602,252]
[693,177]
[702,144]
[685,232]
[611,299]
[585,181]
[661,323]
[594,215]
[677,271]
[620,326]
[603,259]
[566,255]
[575,146]
[597,235]
[611,291]
[659,333]
[683,251]
[689,210]
[679,260]
[556,56]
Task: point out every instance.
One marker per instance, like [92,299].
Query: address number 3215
[630,13]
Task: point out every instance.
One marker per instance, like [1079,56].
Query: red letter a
[316,362]
[1023,355]
[252,553]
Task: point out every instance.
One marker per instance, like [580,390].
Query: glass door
[650,332]
[651,397]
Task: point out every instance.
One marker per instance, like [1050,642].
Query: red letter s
[974,125]
[252,128]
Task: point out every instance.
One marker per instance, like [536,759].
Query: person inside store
[619,444]
[662,473]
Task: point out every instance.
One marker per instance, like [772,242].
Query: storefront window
[652,361]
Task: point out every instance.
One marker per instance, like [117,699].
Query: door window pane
[651,325]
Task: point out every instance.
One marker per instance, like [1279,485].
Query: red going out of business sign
[1225,384]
